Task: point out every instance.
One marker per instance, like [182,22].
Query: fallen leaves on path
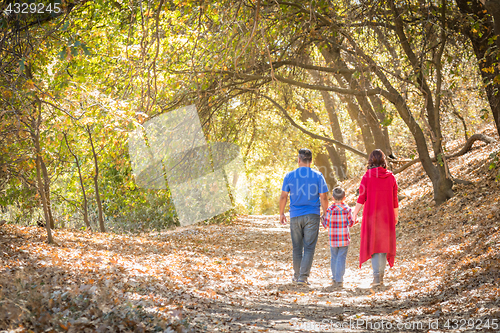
[237,277]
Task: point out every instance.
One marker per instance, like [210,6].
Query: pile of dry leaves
[238,277]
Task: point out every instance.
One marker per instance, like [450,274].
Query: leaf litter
[237,277]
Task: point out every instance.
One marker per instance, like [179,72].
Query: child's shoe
[337,285]
[303,283]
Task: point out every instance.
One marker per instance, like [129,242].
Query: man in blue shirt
[308,191]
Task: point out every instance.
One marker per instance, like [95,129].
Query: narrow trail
[269,301]
[237,278]
[226,278]
[446,276]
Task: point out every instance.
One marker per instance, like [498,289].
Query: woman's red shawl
[378,192]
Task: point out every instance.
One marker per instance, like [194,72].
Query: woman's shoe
[376,280]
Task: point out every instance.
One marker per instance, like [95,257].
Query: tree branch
[476,137]
[255,22]
[371,92]
[370,24]
[313,135]
[278,64]
[255,77]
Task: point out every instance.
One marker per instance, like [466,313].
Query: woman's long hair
[377,159]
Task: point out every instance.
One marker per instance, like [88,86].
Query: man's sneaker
[303,283]
[376,280]
[294,280]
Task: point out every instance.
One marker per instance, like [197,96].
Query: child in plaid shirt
[338,220]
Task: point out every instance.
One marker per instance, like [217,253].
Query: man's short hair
[338,193]
[305,155]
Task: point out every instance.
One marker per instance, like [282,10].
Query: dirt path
[237,278]
[271,302]
[432,286]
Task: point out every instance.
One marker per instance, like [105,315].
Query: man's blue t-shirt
[305,185]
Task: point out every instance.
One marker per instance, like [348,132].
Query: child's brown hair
[338,193]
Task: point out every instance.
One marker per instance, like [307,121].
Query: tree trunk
[46,180]
[332,56]
[96,183]
[336,162]
[439,174]
[442,186]
[339,160]
[378,106]
[322,161]
[41,191]
[358,116]
[35,132]
[371,117]
[84,204]
[352,107]
[488,18]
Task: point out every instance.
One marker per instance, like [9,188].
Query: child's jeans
[337,262]
[378,263]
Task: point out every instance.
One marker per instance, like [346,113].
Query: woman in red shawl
[378,192]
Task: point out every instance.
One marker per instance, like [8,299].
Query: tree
[22,38]
[96,181]
[35,135]
[346,42]
[80,178]
[481,24]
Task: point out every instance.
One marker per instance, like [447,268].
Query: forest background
[341,78]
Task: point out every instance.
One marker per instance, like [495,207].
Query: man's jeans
[337,262]
[304,231]
[378,263]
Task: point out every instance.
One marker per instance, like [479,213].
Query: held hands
[283,219]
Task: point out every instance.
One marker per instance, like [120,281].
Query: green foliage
[111,67]
[440,158]
[387,120]
[225,218]
[141,210]
[495,157]
[484,113]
